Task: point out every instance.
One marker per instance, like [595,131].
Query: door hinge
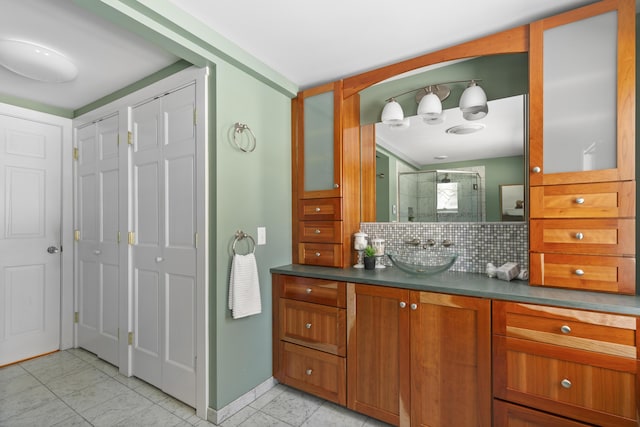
[76,317]
[195,117]
[76,235]
[118,140]
[118,238]
[195,240]
[131,238]
[130,338]
[129,138]
[76,153]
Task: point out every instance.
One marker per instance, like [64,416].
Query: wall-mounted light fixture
[473,104]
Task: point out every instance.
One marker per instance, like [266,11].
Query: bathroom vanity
[456,348]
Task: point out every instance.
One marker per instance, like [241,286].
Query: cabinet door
[319,141]
[583,129]
[378,347]
[450,360]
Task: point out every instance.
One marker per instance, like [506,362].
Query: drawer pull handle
[317,209]
[536,169]
[579,272]
[579,236]
[580,200]
[308,291]
[414,306]
[317,253]
[565,329]
[403,304]
[317,231]
[565,383]
[309,371]
[308,325]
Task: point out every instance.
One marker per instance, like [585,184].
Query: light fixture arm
[432,85]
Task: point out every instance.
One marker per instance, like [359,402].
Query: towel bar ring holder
[241,235]
[239,129]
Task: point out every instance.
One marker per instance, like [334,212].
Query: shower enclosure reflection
[441,196]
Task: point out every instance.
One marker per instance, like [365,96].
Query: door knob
[53,250]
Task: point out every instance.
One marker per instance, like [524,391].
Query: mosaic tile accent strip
[475,243]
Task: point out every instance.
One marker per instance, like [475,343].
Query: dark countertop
[472,284]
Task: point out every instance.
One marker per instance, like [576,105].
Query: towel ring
[239,129]
[240,235]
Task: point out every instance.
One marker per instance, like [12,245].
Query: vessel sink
[423,264]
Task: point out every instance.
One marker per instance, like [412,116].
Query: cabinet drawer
[313,325]
[319,291]
[611,334]
[324,254]
[320,231]
[510,415]
[313,371]
[583,236]
[591,387]
[584,272]
[601,200]
[320,209]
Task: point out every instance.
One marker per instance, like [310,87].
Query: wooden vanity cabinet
[419,358]
[578,365]
[581,150]
[309,335]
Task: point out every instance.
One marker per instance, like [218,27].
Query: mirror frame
[515,40]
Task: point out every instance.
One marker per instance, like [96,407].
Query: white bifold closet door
[97,223]
[164,251]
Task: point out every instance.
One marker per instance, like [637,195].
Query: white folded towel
[244,287]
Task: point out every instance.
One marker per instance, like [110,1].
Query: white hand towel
[244,287]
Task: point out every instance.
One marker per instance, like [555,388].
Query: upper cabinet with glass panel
[582,95]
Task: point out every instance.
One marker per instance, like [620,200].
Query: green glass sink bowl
[423,265]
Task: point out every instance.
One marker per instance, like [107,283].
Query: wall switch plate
[262,235]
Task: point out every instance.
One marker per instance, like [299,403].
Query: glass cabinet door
[582,95]
[319,142]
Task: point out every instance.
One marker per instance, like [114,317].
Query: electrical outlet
[262,235]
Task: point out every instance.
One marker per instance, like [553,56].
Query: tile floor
[75,388]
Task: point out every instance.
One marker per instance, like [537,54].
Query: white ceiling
[307,42]
[312,42]
[107,57]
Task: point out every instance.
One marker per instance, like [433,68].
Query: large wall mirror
[448,166]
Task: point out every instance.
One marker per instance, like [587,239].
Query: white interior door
[164,254]
[30,223]
[97,222]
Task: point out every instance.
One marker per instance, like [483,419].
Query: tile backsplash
[475,243]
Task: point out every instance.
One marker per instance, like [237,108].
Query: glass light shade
[392,113]
[473,102]
[36,62]
[430,106]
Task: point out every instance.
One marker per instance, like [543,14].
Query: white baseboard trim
[217,416]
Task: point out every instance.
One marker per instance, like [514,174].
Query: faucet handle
[446,243]
[428,243]
[412,242]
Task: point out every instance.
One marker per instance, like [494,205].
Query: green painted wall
[250,190]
